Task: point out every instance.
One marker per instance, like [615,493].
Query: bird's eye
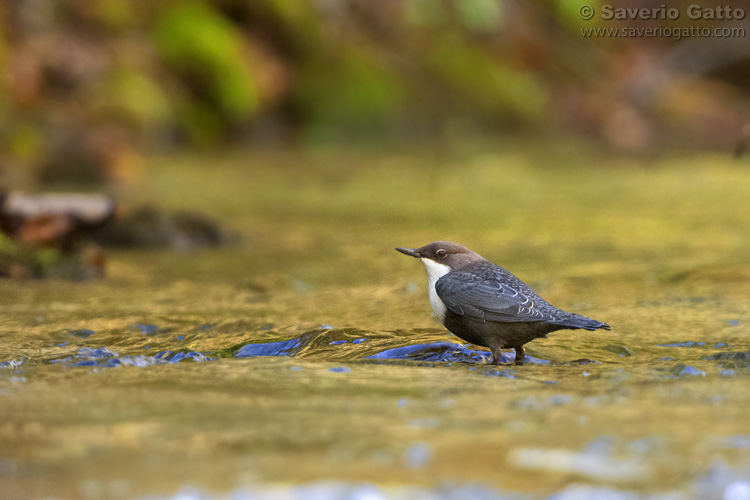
[441,254]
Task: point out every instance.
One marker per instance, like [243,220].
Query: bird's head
[444,255]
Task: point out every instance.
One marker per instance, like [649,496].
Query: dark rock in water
[147,227]
[683,370]
[13,364]
[731,359]
[584,361]
[48,235]
[437,351]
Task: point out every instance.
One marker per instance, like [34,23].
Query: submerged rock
[731,359]
[436,351]
[681,370]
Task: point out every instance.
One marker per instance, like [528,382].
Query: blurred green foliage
[21,261]
[208,51]
[363,95]
[100,81]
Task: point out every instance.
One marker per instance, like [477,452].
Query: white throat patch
[435,271]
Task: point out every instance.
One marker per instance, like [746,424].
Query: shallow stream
[305,362]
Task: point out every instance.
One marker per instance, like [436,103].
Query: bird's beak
[409,251]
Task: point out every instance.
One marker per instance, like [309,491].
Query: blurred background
[88,88]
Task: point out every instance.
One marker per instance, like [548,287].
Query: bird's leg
[497,357]
[520,354]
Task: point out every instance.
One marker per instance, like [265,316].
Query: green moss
[193,37]
[351,89]
[495,87]
[134,97]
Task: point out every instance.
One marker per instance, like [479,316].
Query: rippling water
[306,363]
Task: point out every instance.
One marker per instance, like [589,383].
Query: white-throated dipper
[484,304]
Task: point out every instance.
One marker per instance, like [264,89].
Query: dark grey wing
[481,298]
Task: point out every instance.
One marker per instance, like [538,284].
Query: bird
[484,304]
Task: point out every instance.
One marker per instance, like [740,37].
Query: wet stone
[687,370]
[731,359]
[13,364]
[192,356]
[584,361]
[437,351]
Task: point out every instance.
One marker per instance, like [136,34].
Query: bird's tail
[578,321]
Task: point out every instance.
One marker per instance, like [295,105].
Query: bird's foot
[497,357]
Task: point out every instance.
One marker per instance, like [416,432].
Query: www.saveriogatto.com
[706,16]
